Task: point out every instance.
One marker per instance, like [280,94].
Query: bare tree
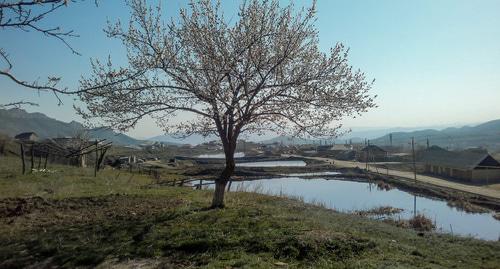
[29,16]
[264,71]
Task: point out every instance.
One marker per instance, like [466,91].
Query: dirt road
[484,191]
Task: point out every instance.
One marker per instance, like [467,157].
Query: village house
[27,137]
[323,148]
[341,147]
[475,165]
[343,152]
[337,151]
[372,153]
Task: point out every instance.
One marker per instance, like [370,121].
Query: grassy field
[68,218]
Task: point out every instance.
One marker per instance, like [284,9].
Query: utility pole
[97,159]
[366,159]
[415,176]
[367,156]
[413,153]
[390,139]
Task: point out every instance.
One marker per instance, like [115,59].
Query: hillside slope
[485,135]
[15,121]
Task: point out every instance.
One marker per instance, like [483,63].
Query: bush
[421,223]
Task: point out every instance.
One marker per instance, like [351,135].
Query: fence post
[45,164]
[22,158]
[32,157]
[39,160]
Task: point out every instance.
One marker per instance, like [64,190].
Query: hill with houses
[14,121]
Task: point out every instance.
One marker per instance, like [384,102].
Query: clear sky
[435,62]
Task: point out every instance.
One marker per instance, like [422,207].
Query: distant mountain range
[173,140]
[486,135]
[15,121]
[356,135]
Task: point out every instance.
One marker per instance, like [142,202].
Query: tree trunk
[221,182]
[218,200]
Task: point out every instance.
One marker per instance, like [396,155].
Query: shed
[471,165]
[27,137]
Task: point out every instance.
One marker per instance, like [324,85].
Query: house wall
[448,172]
[427,168]
[372,156]
[461,174]
[436,169]
[488,174]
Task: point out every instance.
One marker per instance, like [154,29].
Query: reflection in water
[350,196]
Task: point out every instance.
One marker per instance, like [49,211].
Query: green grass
[63,181]
[120,219]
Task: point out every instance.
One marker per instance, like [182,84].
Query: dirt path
[493,193]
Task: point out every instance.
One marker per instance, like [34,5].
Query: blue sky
[435,62]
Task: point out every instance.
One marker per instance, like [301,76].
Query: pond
[220,155]
[349,196]
[323,173]
[272,164]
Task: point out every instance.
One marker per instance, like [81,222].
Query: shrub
[421,223]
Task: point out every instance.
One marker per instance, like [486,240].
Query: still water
[272,164]
[349,196]
[220,155]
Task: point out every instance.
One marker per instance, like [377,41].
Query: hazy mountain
[117,138]
[288,140]
[15,121]
[198,139]
[485,135]
[171,139]
[356,135]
